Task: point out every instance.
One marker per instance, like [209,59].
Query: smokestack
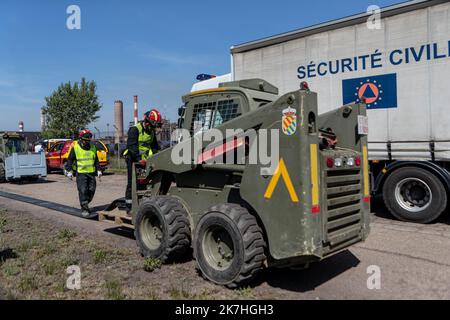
[135,110]
[118,120]
[42,120]
[20,126]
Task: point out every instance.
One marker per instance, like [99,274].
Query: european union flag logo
[380,91]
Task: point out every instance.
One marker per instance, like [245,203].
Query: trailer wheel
[2,173]
[414,195]
[162,229]
[229,245]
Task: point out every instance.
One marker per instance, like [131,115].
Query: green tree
[70,108]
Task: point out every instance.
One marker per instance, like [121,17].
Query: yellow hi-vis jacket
[145,141]
[85,159]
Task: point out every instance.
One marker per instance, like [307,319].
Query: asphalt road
[413,260]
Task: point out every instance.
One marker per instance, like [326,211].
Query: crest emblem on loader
[289,121]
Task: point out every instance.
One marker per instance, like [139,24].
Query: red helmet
[153,117]
[85,135]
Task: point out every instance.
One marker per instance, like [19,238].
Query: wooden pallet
[117,217]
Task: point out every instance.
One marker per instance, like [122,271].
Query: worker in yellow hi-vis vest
[83,157]
[141,144]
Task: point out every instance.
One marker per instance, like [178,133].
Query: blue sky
[153,49]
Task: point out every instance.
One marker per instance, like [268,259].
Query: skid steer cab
[304,200]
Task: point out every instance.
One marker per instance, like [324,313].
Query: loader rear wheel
[414,195]
[229,245]
[162,229]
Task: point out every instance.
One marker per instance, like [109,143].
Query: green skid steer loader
[242,216]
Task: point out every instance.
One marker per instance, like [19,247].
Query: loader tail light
[358,162]
[315,209]
[330,162]
[366,199]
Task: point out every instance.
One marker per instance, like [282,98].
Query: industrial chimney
[118,120]
[42,120]
[135,110]
[20,126]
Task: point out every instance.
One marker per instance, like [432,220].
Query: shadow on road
[444,218]
[379,209]
[31,182]
[120,231]
[309,279]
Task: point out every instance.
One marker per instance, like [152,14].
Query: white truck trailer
[400,66]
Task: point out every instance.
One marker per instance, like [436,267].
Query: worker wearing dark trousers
[84,157]
[141,145]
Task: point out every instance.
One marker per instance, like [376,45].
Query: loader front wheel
[162,229]
[229,245]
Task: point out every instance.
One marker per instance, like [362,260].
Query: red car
[57,155]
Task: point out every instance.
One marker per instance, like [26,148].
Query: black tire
[2,173]
[241,232]
[414,195]
[172,222]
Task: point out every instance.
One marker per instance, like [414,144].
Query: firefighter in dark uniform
[141,145]
[83,158]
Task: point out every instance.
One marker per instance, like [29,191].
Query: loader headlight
[350,162]
[338,162]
